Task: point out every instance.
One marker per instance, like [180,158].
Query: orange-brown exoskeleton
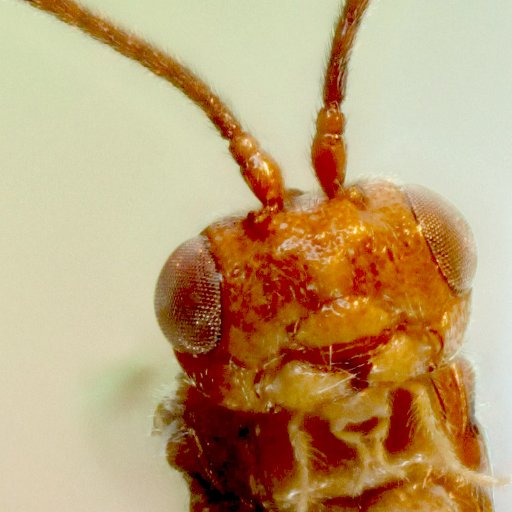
[319,334]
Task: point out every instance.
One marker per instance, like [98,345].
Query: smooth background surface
[105,169]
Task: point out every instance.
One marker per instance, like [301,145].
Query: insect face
[332,283]
[329,327]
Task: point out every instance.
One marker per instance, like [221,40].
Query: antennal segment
[328,151]
[259,169]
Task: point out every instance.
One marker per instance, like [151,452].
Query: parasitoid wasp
[350,146]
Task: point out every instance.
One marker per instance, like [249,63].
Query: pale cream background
[105,169]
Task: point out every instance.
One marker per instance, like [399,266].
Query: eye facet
[188,298]
[447,234]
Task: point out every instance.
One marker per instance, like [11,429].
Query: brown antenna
[328,153]
[259,169]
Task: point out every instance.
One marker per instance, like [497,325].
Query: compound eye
[188,298]
[447,234]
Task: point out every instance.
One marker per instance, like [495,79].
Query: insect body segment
[333,384]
